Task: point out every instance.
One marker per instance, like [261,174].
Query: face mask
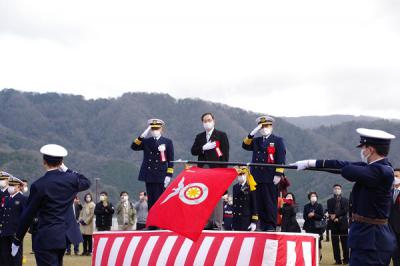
[11,190]
[337,192]
[124,198]
[241,179]
[289,198]
[89,199]
[25,189]
[156,133]
[3,183]
[313,199]
[102,198]
[208,125]
[265,131]
[364,158]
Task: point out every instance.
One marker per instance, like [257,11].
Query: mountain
[311,122]
[98,134]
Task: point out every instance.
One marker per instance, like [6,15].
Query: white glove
[63,168]
[146,132]
[252,133]
[252,227]
[277,179]
[166,181]
[301,165]
[209,146]
[14,249]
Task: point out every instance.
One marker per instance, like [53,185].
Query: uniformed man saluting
[268,148]
[50,200]
[9,219]
[158,153]
[371,240]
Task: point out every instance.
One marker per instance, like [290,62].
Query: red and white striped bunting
[212,248]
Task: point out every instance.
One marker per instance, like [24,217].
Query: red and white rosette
[161,149]
[218,149]
[271,153]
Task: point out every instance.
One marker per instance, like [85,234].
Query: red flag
[189,200]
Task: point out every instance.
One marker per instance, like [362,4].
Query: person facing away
[50,200]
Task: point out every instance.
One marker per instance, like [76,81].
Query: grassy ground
[327,255]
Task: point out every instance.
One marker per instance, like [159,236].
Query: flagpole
[285,166]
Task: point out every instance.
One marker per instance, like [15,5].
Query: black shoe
[151,228]
[338,263]
[83,254]
[345,261]
[76,253]
[89,254]
[68,253]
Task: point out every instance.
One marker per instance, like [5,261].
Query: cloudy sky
[286,58]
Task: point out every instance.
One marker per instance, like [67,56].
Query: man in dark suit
[268,148]
[394,218]
[338,209]
[212,145]
[157,166]
[50,200]
[9,220]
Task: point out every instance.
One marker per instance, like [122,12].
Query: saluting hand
[255,130]
[146,132]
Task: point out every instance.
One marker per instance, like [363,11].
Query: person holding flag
[371,239]
[268,148]
[158,153]
[245,215]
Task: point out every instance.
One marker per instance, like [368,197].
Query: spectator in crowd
[86,221]
[394,218]
[104,211]
[126,213]
[76,207]
[212,145]
[141,211]
[245,215]
[338,209]
[313,215]
[289,211]
[228,212]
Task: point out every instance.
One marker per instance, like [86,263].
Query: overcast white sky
[285,58]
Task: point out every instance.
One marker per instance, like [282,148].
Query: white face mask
[313,199]
[364,158]
[156,133]
[88,199]
[3,183]
[241,179]
[265,131]
[11,190]
[102,198]
[124,198]
[208,126]
[25,189]
[289,198]
[337,192]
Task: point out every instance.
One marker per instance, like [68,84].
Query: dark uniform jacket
[3,196]
[11,213]
[394,218]
[341,214]
[211,155]
[50,200]
[259,147]
[153,170]
[372,198]
[244,203]
[103,214]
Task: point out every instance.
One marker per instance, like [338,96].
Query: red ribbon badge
[3,200]
[217,148]
[271,152]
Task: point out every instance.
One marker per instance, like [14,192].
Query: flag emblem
[194,193]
